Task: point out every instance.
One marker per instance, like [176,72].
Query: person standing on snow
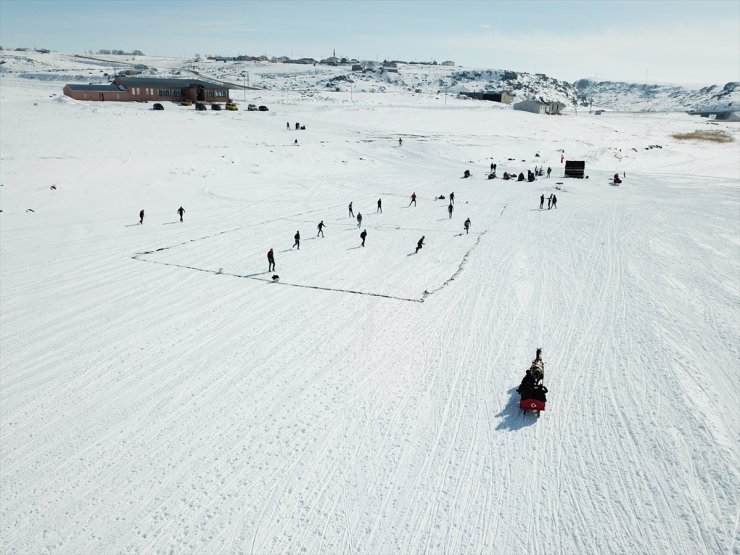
[181,211]
[362,236]
[400,141]
[549,170]
[141,217]
[450,208]
[297,238]
[270,261]
[419,243]
[380,207]
[467,225]
[549,202]
[542,200]
[351,213]
[321,228]
[413,199]
[452,197]
[359,219]
[554,201]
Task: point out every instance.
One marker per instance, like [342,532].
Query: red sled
[532,404]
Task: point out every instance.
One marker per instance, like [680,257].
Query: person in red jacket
[270,261]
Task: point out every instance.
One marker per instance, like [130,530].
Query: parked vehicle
[186,102]
[200,106]
[264,109]
[231,106]
[157,106]
[215,107]
[252,108]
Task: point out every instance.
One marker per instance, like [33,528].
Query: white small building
[447,63]
[537,107]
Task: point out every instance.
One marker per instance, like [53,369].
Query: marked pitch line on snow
[459,268]
[139,256]
[263,280]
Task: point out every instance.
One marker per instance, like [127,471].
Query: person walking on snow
[362,236]
[297,238]
[287,123]
[562,157]
[400,141]
[141,217]
[542,200]
[270,261]
[181,211]
[321,228]
[380,207]
[549,202]
[450,208]
[549,170]
[492,166]
[554,201]
[359,219]
[467,225]
[452,197]
[413,199]
[351,214]
[419,243]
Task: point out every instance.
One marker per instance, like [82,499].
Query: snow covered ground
[365,403]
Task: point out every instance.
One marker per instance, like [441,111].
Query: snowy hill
[425,78]
[160,393]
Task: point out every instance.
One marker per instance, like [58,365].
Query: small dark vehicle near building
[252,108]
[264,109]
[157,106]
[200,106]
[216,107]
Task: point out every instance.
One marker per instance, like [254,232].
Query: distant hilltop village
[330,61]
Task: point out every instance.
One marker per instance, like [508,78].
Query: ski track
[151,405]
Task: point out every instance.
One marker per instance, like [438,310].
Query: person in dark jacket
[141,217]
[542,200]
[297,238]
[549,202]
[359,219]
[467,225]
[363,235]
[181,211]
[351,213]
[413,199]
[419,243]
[554,201]
[549,170]
[527,384]
[270,261]
[450,208]
[452,197]
[380,207]
[321,228]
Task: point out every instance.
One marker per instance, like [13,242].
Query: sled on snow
[534,405]
[532,392]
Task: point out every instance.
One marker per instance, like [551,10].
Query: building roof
[167,82]
[100,88]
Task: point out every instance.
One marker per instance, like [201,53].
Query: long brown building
[143,89]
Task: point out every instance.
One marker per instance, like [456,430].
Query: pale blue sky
[665,41]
